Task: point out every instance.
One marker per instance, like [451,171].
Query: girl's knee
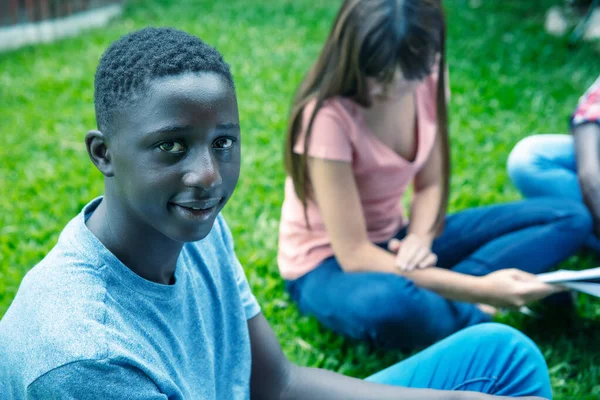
[582,217]
[381,304]
[393,318]
[569,216]
[521,159]
[577,217]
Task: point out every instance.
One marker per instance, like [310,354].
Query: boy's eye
[224,143]
[171,147]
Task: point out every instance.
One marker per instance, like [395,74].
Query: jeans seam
[475,380]
[509,249]
[481,228]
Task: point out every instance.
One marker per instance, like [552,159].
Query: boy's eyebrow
[228,125]
[168,129]
[179,128]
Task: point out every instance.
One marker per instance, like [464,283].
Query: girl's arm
[587,150]
[337,196]
[585,126]
[427,195]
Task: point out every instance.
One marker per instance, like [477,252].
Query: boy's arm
[274,377]
[94,380]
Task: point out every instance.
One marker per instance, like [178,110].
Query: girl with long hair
[369,119]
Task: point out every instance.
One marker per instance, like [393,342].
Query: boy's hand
[412,252]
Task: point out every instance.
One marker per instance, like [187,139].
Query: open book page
[562,276]
[584,287]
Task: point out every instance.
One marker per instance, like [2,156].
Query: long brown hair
[371,38]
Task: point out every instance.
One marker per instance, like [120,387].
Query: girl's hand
[412,252]
[514,288]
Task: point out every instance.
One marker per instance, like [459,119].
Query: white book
[584,287]
[562,276]
[585,281]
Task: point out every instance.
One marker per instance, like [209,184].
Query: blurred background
[513,72]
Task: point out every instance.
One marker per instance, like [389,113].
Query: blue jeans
[545,165]
[487,358]
[389,310]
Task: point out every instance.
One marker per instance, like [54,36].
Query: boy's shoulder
[59,302]
[79,302]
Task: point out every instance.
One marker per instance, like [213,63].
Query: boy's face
[176,154]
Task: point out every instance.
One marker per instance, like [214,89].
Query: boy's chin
[188,236]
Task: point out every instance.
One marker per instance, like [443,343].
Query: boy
[143,296]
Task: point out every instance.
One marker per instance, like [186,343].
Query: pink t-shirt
[382,176]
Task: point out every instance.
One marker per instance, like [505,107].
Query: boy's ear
[95,142]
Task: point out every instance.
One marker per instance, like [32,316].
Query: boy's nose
[203,172]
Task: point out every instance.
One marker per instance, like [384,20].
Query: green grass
[508,79]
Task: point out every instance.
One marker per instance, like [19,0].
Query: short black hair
[133,61]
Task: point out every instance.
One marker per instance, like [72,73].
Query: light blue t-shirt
[84,326]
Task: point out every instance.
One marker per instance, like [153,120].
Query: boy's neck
[146,252]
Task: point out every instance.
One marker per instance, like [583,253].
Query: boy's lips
[202,204]
[196,210]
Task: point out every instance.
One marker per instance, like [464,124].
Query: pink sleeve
[330,136]
[588,108]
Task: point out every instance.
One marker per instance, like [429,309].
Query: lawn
[508,79]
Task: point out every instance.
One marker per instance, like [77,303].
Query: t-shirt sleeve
[94,380]
[251,306]
[330,136]
[588,108]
